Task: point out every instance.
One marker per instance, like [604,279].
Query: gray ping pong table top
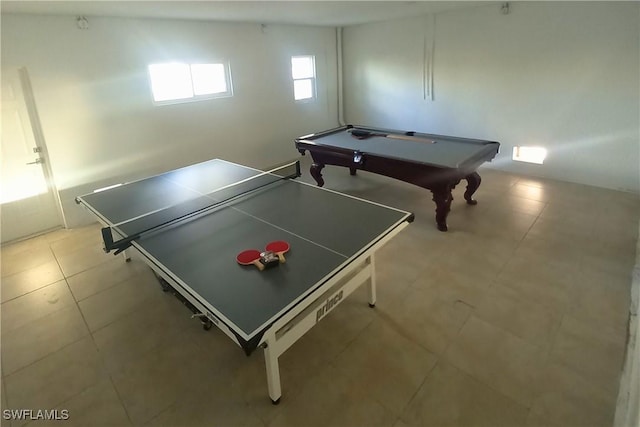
[326,231]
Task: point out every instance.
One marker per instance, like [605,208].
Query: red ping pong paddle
[279,247]
[249,257]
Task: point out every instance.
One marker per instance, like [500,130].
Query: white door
[27,197]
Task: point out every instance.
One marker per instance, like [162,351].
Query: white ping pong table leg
[126,255]
[271,355]
[372,283]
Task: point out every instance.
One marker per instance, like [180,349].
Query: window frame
[313,79]
[194,98]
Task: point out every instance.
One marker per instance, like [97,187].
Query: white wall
[93,97]
[564,75]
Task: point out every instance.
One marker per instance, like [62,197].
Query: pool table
[434,162]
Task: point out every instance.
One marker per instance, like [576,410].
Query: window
[175,81]
[303,71]
[529,154]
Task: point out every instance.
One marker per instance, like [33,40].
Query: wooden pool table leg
[473,182]
[443,198]
[316,173]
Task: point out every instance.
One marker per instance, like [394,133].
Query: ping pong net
[134,228]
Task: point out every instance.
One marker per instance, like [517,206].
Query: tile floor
[515,317]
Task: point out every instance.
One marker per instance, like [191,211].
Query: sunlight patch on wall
[535,155]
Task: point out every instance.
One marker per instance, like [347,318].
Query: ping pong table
[189,224]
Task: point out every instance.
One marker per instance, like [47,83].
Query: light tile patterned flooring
[517,316]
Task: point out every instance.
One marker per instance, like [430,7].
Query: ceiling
[323,13]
